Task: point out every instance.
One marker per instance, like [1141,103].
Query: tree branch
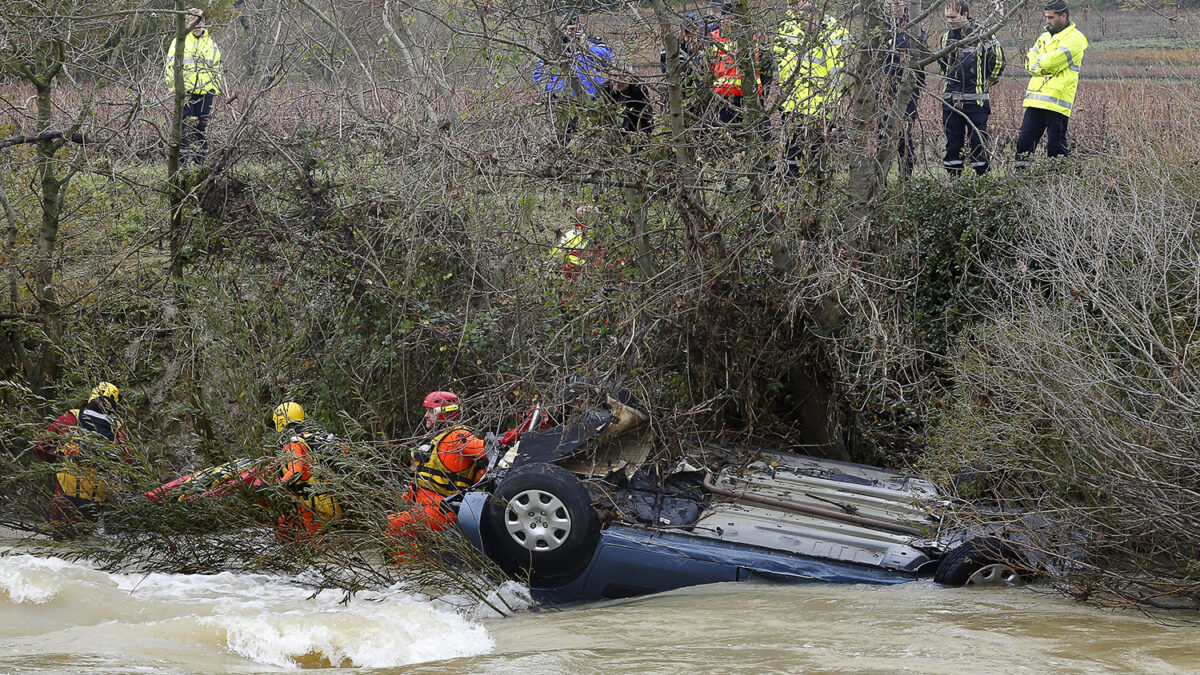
[46,136]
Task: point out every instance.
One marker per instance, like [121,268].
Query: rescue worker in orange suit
[452,460]
[72,442]
[308,452]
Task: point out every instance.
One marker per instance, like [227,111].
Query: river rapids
[64,617]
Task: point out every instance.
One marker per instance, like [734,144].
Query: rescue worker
[810,51]
[629,105]
[309,454]
[73,442]
[573,78]
[450,461]
[569,253]
[201,82]
[970,72]
[727,86]
[1054,62]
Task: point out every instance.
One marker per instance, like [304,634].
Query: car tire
[985,561]
[540,524]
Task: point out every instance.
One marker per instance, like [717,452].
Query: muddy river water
[57,616]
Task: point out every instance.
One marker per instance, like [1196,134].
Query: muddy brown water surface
[57,616]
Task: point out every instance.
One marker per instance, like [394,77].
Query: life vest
[432,472]
[297,474]
[75,476]
[81,482]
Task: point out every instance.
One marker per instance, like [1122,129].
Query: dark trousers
[729,113]
[564,115]
[806,152]
[907,149]
[1038,121]
[966,123]
[729,110]
[194,145]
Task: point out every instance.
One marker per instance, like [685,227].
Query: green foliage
[960,234]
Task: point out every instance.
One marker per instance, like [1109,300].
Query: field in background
[1140,44]
[1141,68]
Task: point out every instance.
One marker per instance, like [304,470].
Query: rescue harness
[434,475]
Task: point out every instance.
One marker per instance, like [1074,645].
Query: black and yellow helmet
[106,390]
[287,413]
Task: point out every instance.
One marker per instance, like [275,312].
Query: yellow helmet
[106,390]
[287,413]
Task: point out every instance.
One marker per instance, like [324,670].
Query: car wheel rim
[537,520]
[997,574]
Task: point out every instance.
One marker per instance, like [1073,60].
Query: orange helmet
[444,403]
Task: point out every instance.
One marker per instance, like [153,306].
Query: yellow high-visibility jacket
[1054,62]
[201,64]
[810,66]
[570,247]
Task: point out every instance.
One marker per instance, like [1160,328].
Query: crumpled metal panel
[852,488]
[802,534]
[879,494]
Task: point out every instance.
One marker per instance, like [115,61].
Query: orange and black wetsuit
[455,461]
[314,507]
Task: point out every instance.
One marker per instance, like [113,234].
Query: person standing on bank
[201,82]
[571,82]
[1053,61]
[810,49]
[970,72]
[895,64]
[629,105]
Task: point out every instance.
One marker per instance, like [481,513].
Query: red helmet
[444,403]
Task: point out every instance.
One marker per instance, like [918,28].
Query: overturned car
[567,509]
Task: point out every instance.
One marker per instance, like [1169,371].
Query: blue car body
[631,559]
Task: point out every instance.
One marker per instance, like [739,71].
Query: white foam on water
[509,597]
[271,620]
[394,632]
[31,579]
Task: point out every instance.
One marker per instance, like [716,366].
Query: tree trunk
[177,182]
[821,432]
[422,68]
[49,367]
[691,202]
[635,202]
[871,145]
[755,138]
[13,357]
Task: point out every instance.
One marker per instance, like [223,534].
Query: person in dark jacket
[629,104]
[970,71]
[691,59]
[895,63]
